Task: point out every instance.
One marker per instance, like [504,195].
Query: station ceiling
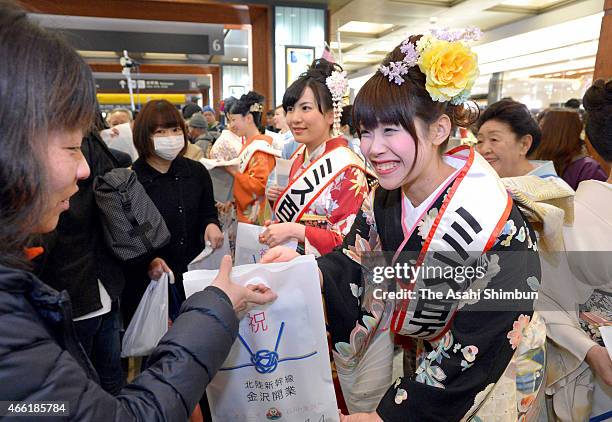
[368,32]
[364,30]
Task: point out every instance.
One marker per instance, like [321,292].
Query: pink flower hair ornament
[337,83]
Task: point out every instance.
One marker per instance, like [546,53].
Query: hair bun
[228,103]
[598,97]
[321,69]
[463,115]
[251,98]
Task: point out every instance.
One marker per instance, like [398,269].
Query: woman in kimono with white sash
[477,358]
[575,294]
[576,291]
[327,182]
[256,159]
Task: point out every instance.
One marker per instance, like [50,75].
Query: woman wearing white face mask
[180,188]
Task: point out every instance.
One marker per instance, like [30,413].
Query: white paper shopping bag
[248,248]
[210,163]
[120,138]
[223,184]
[278,367]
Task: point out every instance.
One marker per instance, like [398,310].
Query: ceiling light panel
[531,4]
[551,68]
[343,45]
[362,58]
[365,27]
[572,52]
[565,34]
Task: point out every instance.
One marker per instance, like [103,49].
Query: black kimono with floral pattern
[456,372]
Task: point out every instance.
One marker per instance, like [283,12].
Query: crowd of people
[528,203]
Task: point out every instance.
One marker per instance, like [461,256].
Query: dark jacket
[184,198]
[76,255]
[41,359]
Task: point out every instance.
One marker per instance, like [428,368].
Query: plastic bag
[150,321]
[248,248]
[120,138]
[209,258]
[278,367]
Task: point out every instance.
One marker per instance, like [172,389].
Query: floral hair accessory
[446,60]
[256,108]
[396,70]
[337,83]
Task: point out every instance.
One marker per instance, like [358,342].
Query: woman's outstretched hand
[276,234]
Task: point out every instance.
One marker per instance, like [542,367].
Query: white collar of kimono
[309,158]
[414,212]
[457,161]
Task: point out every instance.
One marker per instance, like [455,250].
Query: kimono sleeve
[342,280]
[343,204]
[252,183]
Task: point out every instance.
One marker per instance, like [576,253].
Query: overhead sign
[210,42]
[173,85]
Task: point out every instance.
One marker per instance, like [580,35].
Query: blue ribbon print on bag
[266,361]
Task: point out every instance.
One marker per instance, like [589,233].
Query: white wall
[235,76]
[295,26]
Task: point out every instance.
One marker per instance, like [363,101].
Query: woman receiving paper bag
[40,354]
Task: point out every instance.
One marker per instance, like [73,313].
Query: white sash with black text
[247,153]
[465,228]
[304,189]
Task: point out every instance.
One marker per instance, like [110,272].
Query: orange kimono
[256,162]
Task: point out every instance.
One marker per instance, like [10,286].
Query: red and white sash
[463,230]
[247,153]
[304,189]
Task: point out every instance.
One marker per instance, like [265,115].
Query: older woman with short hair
[508,134]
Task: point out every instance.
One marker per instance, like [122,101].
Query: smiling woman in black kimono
[476,358]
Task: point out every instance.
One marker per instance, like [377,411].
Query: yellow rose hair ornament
[446,60]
